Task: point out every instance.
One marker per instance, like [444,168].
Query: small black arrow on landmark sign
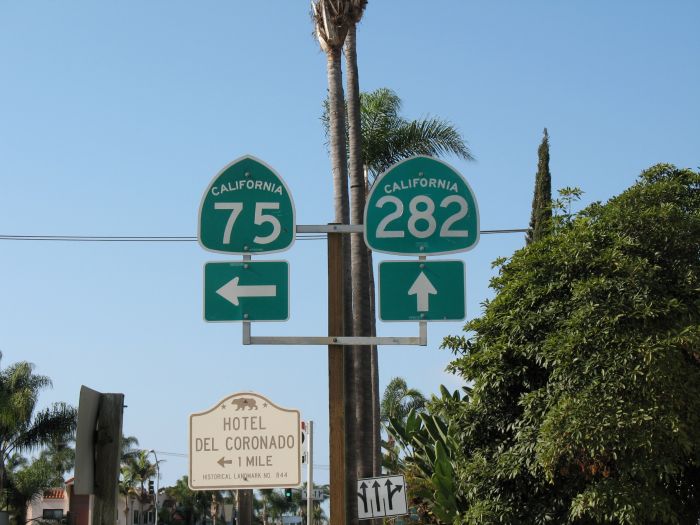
[223,461]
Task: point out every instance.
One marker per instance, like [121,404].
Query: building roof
[54,494]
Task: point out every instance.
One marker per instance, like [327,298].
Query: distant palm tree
[193,504]
[26,484]
[399,400]
[127,489]
[141,470]
[61,456]
[21,429]
[129,448]
[319,514]
[272,504]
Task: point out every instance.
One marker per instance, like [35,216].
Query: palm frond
[60,419]
[433,137]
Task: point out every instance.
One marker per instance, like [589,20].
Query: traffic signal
[288,494]
[150,487]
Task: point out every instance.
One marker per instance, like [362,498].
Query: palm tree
[272,505]
[193,504]
[359,357]
[319,514]
[388,138]
[331,26]
[27,483]
[61,456]
[127,488]
[141,470]
[129,448]
[331,21]
[22,430]
[399,400]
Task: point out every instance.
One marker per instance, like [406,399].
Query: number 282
[421,220]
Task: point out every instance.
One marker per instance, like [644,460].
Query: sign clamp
[248,339]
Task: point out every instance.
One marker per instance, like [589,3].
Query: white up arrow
[231,291]
[422,288]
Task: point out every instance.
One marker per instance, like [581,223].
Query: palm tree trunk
[338,151]
[374,358]
[360,281]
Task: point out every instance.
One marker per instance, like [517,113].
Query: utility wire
[174,238]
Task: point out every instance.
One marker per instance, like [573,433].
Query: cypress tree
[541,217]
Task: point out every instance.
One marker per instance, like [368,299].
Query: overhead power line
[172,238]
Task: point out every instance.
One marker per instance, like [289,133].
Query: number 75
[260,218]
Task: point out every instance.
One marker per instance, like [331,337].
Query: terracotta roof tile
[54,494]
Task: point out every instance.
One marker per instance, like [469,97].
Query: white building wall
[36,507]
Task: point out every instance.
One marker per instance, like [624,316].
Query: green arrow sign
[246,291]
[246,209]
[421,291]
[421,206]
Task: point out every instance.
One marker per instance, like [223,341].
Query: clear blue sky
[114,117]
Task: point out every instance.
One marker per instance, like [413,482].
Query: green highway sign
[422,291]
[247,209]
[246,291]
[421,206]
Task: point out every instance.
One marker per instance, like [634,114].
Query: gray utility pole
[157,481]
[310,474]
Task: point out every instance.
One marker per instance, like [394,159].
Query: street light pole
[157,482]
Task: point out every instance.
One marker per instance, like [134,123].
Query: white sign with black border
[383,496]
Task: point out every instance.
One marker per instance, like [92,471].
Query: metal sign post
[336,382]
[310,474]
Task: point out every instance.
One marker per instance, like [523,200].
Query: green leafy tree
[60,454]
[541,216]
[194,504]
[22,428]
[272,505]
[27,483]
[428,456]
[585,368]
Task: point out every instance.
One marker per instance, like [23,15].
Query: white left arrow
[422,288]
[232,291]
